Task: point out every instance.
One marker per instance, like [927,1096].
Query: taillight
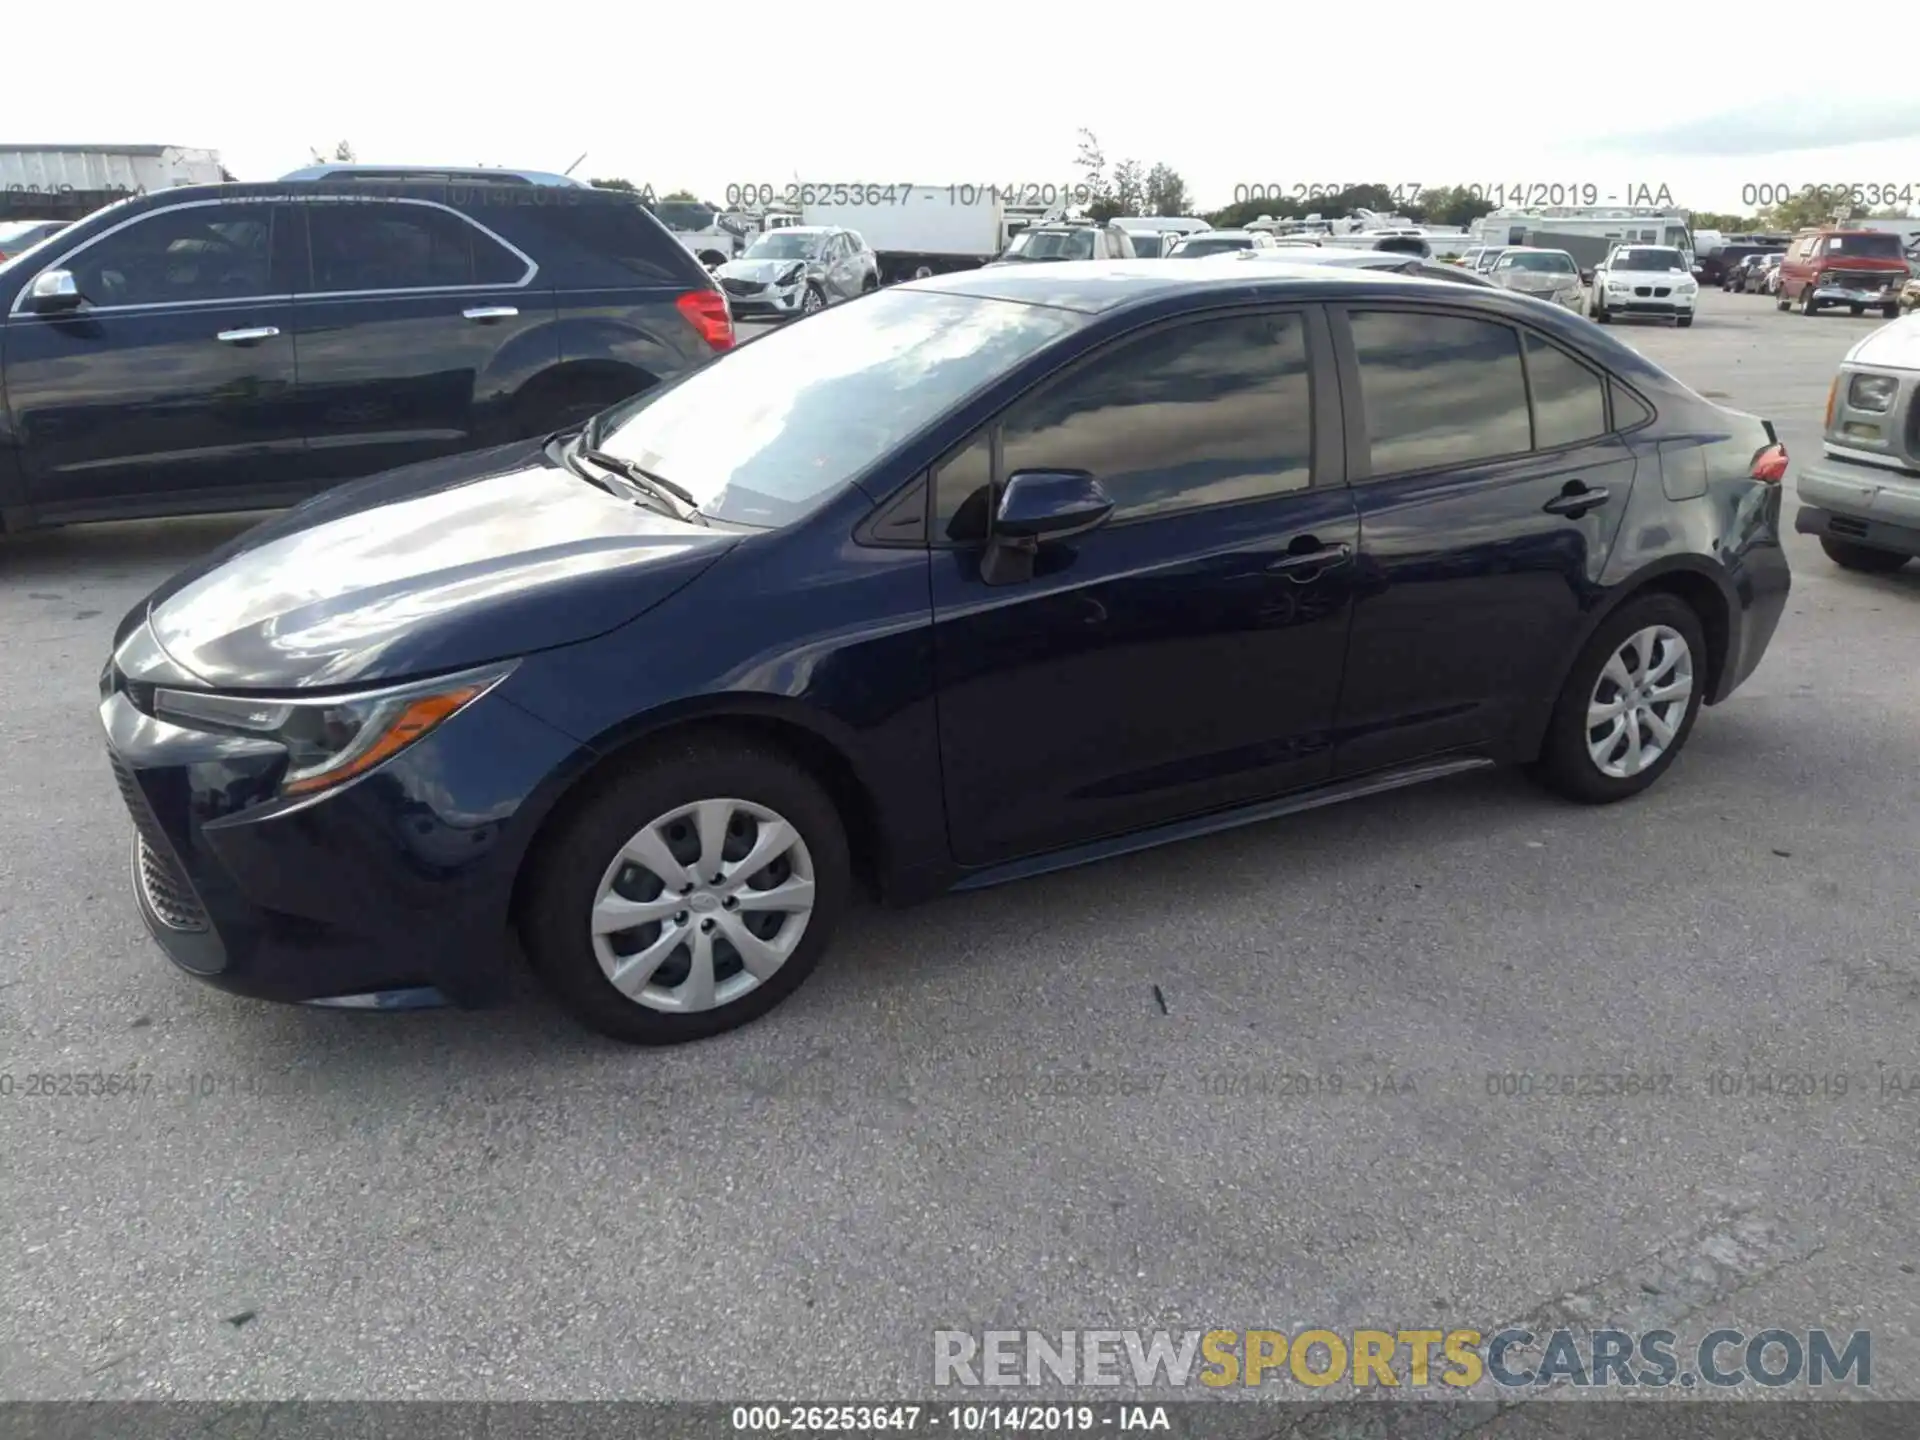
[706,311]
[1770,464]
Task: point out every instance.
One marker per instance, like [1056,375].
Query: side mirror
[1041,506]
[1586,277]
[52,292]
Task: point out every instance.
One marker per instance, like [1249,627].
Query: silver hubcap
[811,302]
[1639,702]
[703,905]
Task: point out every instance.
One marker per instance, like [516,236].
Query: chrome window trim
[532,270]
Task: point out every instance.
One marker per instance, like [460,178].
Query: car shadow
[116,549]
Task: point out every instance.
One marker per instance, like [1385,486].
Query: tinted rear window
[620,233]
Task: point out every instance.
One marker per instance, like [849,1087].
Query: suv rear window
[622,233]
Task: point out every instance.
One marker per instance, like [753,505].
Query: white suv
[1645,280]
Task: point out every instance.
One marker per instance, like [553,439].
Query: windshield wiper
[679,502]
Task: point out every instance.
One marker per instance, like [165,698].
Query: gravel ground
[977,1113]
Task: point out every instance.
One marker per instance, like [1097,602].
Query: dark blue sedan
[967,580]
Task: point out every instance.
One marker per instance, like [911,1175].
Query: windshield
[1146,243]
[1648,260]
[19,239]
[1549,264]
[784,245]
[763,433]
[1213,245]
[1879,247]
[1052,245]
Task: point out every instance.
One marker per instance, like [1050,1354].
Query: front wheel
[689,895]
[1629,703]
[1849,555]
[1683,321]
[1808,305]
[1601,314]
[1892,312]
[1856,309]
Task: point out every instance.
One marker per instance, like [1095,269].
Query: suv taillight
[706,311]
[1770,464]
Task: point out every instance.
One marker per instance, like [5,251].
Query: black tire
[1601,315]
[1856,309]
[565,877]
[1849,555]
[1684,322]
[814,293]
[1780,300]
[1564,764]
[1808,305]
[1892,312]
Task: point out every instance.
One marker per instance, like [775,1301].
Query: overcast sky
[703,96]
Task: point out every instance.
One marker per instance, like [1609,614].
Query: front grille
[1663,290]
[166,890]
[742,287]
[1860,279]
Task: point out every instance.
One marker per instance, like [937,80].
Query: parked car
[1734,277]
[1716,268]
[1383,262]
[1862,497]
[1151,244]
[1860,269]
[1650,280]
[1485,260]
[1769,281]
[1063,240]
[1548,275]
[150,349]
[1219,242]
[1910,296]
[19,236]
[797,271]
[983,576]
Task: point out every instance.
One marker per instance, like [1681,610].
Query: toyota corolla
[987,575]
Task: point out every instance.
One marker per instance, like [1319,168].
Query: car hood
[762,272]
[1537,282]
[1895,346]
[432,567]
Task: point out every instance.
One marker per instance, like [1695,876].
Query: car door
[416,327]
[1490,486]
[1183,657]
[171,389]
[839,261]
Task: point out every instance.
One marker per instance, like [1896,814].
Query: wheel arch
[764,722]
[1692,580]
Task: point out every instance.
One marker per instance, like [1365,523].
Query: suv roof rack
[438,174]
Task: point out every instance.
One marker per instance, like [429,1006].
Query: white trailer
[68,181]
[927,229]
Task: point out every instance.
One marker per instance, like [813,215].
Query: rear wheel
[1849,555]
[691,894]
[1780,301]
[1629,703]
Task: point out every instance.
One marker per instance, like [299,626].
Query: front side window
[190,253]
[389,245]
[809,408]
[1439,390]
[1206,413]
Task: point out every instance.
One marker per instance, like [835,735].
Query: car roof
[444,174]
[803,230]
[1099,286]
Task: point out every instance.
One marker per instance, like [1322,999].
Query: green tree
[1166,191]
[343,153]
[615,183]
[1449,205]
[1724,222]
[1092,161]
[1798,212]
[1129,188]
[683,195]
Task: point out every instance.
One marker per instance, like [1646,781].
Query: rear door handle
[1304,565]
[485,313]
[1576,500]
[248,337]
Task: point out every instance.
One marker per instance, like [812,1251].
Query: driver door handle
[248,337]
[1304,565]
[1576,499]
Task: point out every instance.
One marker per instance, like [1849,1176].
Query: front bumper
[1853,295]
[768,303]
[1631,302]
[1862,503]
[399,881]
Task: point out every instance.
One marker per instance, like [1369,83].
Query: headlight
[1686,287]
[331,739]
[1872,393]
[792,277]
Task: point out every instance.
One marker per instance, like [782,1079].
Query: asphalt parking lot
[1061,1104]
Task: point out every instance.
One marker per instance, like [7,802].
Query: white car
[1645,280]
[1202,243]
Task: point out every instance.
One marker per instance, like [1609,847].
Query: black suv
[243,346]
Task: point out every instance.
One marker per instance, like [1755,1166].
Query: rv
[1591,231]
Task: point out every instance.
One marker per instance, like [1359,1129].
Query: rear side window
[1439,390]
[1569,400]
[614,235]
[391,245]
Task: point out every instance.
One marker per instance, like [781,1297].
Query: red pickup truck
[1861,269]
